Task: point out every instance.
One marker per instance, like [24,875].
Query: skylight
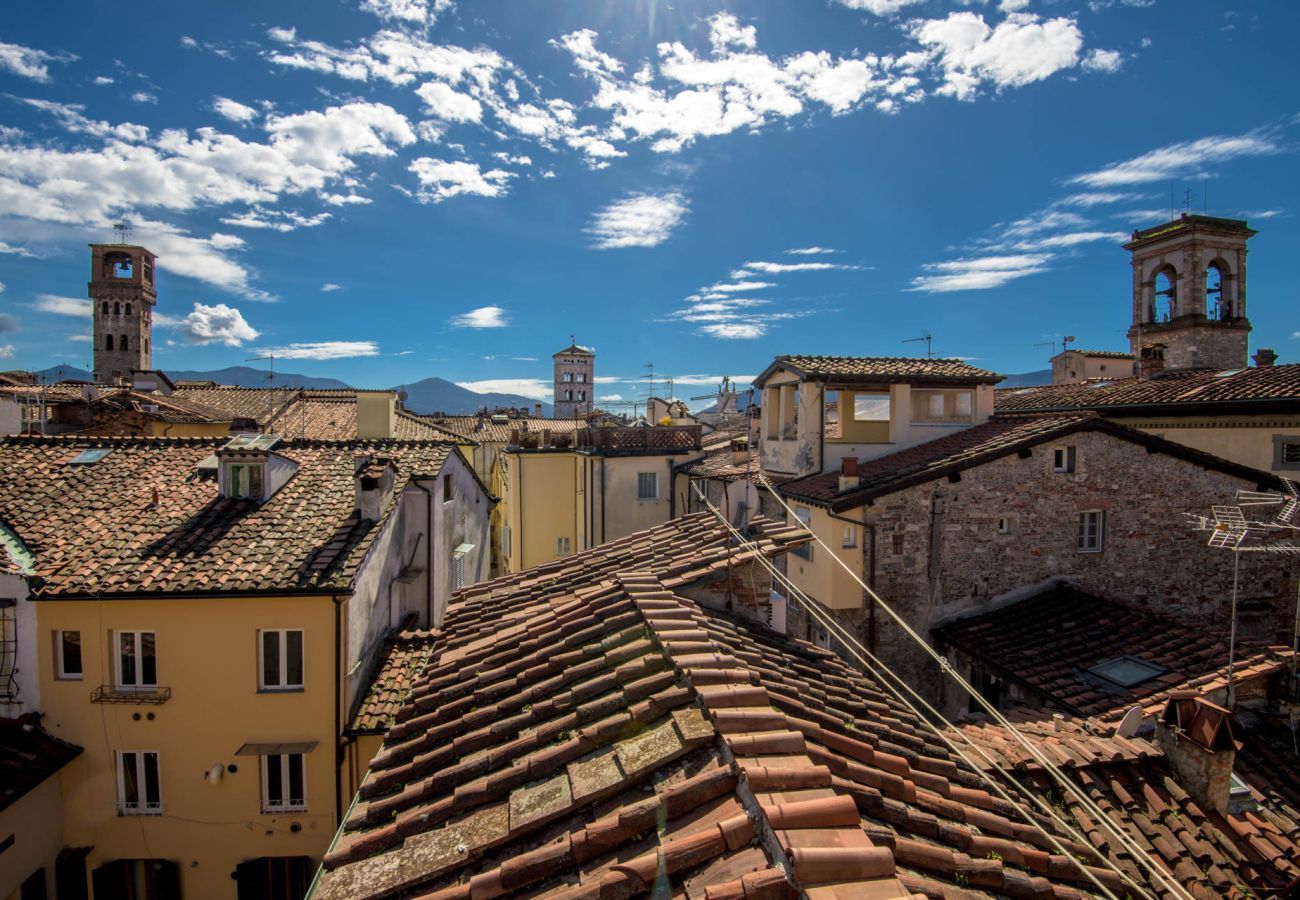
[89,457]
[1226,373]
[1127,671]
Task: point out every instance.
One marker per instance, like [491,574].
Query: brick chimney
[740,451]
[850,475]
[1264,357]
[375,476]
[1152,361]
[537,410]
[1196,737]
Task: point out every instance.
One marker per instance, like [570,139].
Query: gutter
[339,755]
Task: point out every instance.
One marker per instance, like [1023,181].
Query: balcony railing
[141,696]
[651,437]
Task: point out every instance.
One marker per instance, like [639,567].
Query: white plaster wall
[465,519]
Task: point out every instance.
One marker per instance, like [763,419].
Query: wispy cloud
[1173,161]
[978,273]
[330,287]
[774,268]
[29,62]
[483,317]
[532,388]
[640,220]
[62,306]
[811,251]
[326,350]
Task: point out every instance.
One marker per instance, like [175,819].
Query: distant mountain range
[1027,379]
[427,396]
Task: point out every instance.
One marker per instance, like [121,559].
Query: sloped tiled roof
[881,369]
[164,408]
[94,529]
[484,429]
[717,464]
[1103,354]
[1000,436]
[1172,391]
[1050,640]
[401,659]
[28,755]
[618,739]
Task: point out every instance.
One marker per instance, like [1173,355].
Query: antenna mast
[270,383]
[927,337]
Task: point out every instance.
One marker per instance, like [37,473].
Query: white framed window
[1063,459]
[280,659]
[244,480]
[67,655]
[941,406]
[139,783]
[850,538]
[1006,524]
[284,783]
[804,515]
[647,485]
[568,377]
[136,660]
[563,546]
[1092,531]
[582,378]
[871,407]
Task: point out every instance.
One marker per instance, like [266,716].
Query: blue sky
[384,190]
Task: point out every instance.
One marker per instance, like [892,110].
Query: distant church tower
[575,377]
[122,290]
[1189,295]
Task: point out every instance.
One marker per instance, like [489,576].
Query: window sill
[69,678]
[284,811]
[1092,550]
[284,690]
[136,813]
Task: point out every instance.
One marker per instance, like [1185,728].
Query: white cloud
[283,220]
[732,287]
[1103,61]
[445,103]
[62,306]
[144,97]
[1099,198]
[420,12]
[639,220]
[1022,49]
[811,251]
[1175,160]
[29,62]
[1072,239]
[609,398]
[509,159]
[880,7]
[979,273]
[216,324]
[326,350]
[440,179]
[734,330]
[329,286]
[483,317]
[725,31]
[771,268]
[398,57]
[532,388]
[103,80]
[10,249]
[233,110]
[7,351]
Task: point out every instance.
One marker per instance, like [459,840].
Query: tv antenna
[123,229]
[1188,193]
[270,383]
[650,379]
[1065,343]
[927,337]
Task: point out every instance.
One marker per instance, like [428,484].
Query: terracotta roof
[619,738]
[717,464]
[400,661]
[575,350]
[1000,436]
[1171,391]
[1103,354]
[95,529]
[1067,741]
[880,369]
[28,755]
[481,429]
[164,408]
[1048,642]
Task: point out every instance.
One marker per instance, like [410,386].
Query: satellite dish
[1128,726]
[402,395]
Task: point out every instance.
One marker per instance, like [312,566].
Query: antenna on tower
[123,229]
[1188,193]
[927,337]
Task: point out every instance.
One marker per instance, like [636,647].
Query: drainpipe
[870,568]
[428,574]
[602,499]
[339,755]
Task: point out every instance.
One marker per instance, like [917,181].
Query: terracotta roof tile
[881,369]
[478,428]
[400,661]
[1190,390]
[95,529]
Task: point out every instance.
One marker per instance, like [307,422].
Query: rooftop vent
[90,457]
[1127,671]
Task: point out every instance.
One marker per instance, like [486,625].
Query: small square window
[1063,459]
[850,538]
[647,486]
[284,783]
[1092,531]
[67,652]
[1006,524]
[1127,671]
[281,659]
[871,407]
[563,546]
[1286,452]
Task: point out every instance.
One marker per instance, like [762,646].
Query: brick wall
[939,555]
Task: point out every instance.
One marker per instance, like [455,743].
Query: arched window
[146,345]
[121,345]
[104,307]
[108,342]
[1217,306]
[128,309]
[1166,296]
[117,309]
[568,395]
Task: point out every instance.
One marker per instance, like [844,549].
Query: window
[122,343]
[117,309]
[1092,531]
[8,649]
[281,659]
[1127,671]
[505,541]
[647,486]
[562,546]
[1006,524]
[872,407]
[568,377]
[1286,451]
[67,654]
[850,536]
[941,406]
[108,342]
[139,789]
[568,395]
[128,309]
[284,786]
[104,307]
[1165,302]
[582,395]
[446,489]
[804,517]
[244,480]
[137,664]
[582,378]
[1062,459]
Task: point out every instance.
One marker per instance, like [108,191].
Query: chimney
[1152,360]
[1264,357]
[546,437]
[740,451]
[376,414]
[1196,737]
[537,410]
[850,477]
[374,485]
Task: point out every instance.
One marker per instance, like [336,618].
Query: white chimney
[375,476]
[850,479]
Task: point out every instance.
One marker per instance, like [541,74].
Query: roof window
[1127,671]
[90,457]
[1226,373]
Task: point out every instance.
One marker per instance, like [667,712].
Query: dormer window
[244,480]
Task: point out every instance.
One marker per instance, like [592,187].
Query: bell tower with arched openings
[1189,295]
[122,290]
[575,381]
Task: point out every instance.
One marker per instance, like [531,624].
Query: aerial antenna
[927,337]
[1188,193]
[270,383]
[650,379]
[123,229]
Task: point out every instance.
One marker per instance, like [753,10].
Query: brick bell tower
[575,377]
[1189,295]
[122,290]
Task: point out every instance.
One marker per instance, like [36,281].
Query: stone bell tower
[122,290]
[575,376]
[1189,295]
